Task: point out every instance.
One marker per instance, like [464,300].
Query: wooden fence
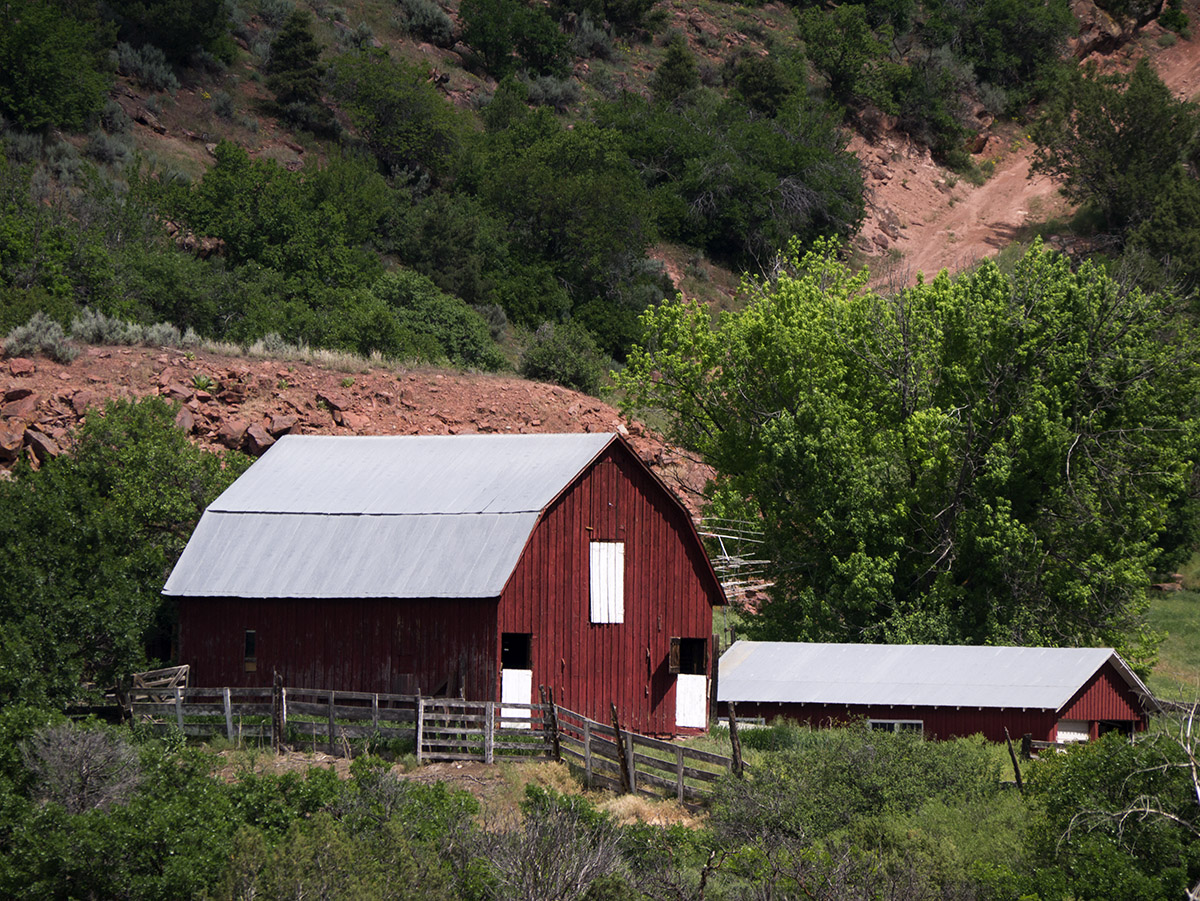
[443,729]
[627,762]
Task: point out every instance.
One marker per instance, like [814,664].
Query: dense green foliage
[53,67]
[89,539]
[826,815]
[989,459]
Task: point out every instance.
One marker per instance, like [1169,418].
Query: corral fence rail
[443,729]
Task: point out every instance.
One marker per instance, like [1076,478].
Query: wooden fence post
[179,707]
[1027,746]
[228,715]
[1013,755]
[420,726]
[622,758]
[556,747]
[331,725]
[679,775]
[735,742]
[375,711]
[587,752]
[277,715]
[489,730]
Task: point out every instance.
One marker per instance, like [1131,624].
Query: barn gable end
[443,565]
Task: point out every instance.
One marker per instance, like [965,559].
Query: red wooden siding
[373,644]
[939,722]
[1106,697]
[669,592]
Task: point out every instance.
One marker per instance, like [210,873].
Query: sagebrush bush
[425,19]
[106,148]
[222,105]
[93,327]
[114,119]
[549,90]
[162,334]
[41,335]
[590,39]
[147,65]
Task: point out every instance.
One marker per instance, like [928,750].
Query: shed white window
[607,566]
[917,726]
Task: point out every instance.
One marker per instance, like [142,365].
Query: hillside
[240,403]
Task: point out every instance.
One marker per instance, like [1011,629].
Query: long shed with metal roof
[476,565]
[1051,694]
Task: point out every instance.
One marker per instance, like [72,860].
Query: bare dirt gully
[922,219]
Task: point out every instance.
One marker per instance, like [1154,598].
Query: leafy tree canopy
[53,67]
[1117,142]
[89,540]
[987,459]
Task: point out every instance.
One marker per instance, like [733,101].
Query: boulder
[232,433]
[258,439]
[42,446]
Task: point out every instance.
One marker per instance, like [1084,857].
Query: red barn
[1052,694]
[479,565]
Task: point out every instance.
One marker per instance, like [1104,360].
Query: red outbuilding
[941,691]
[478,565]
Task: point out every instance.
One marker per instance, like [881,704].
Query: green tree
[53,67]
[408,125]
[294,71]
[90,538]
[989,459]
[1117,142]
[843,47]
[677,74]
[176,27]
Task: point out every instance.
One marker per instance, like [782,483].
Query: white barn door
[691,701]
[516,687]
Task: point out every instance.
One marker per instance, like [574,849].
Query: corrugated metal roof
[402,517]
[406,474]
[910,675]
[287,555]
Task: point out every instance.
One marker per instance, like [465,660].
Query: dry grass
[629,809]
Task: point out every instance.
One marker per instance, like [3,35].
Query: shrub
[549,90]
[425,19]
[222,105]
[564,353]
[147,65]
[105,148]
[81,768]
[92,327]
[40,335]
[114,119]
[590,39]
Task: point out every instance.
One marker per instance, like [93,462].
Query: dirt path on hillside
[922,218]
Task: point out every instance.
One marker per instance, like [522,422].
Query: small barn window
[250,657]
[914,726]
[689,656]
[516,650]
[607,569]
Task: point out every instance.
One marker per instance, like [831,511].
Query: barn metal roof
[394,516]
[911,675]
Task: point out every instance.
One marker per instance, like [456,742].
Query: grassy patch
[1177,613]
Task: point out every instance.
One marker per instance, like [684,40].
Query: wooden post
[179,707]
[276,712]
[679,774]
[1016,767]
[489,730]
[587,752]
[375,711]
[228,714]
[420,726]
[630,763]
[622,760]
[735,742]
[331,724]
[1027,746]
[554,727]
